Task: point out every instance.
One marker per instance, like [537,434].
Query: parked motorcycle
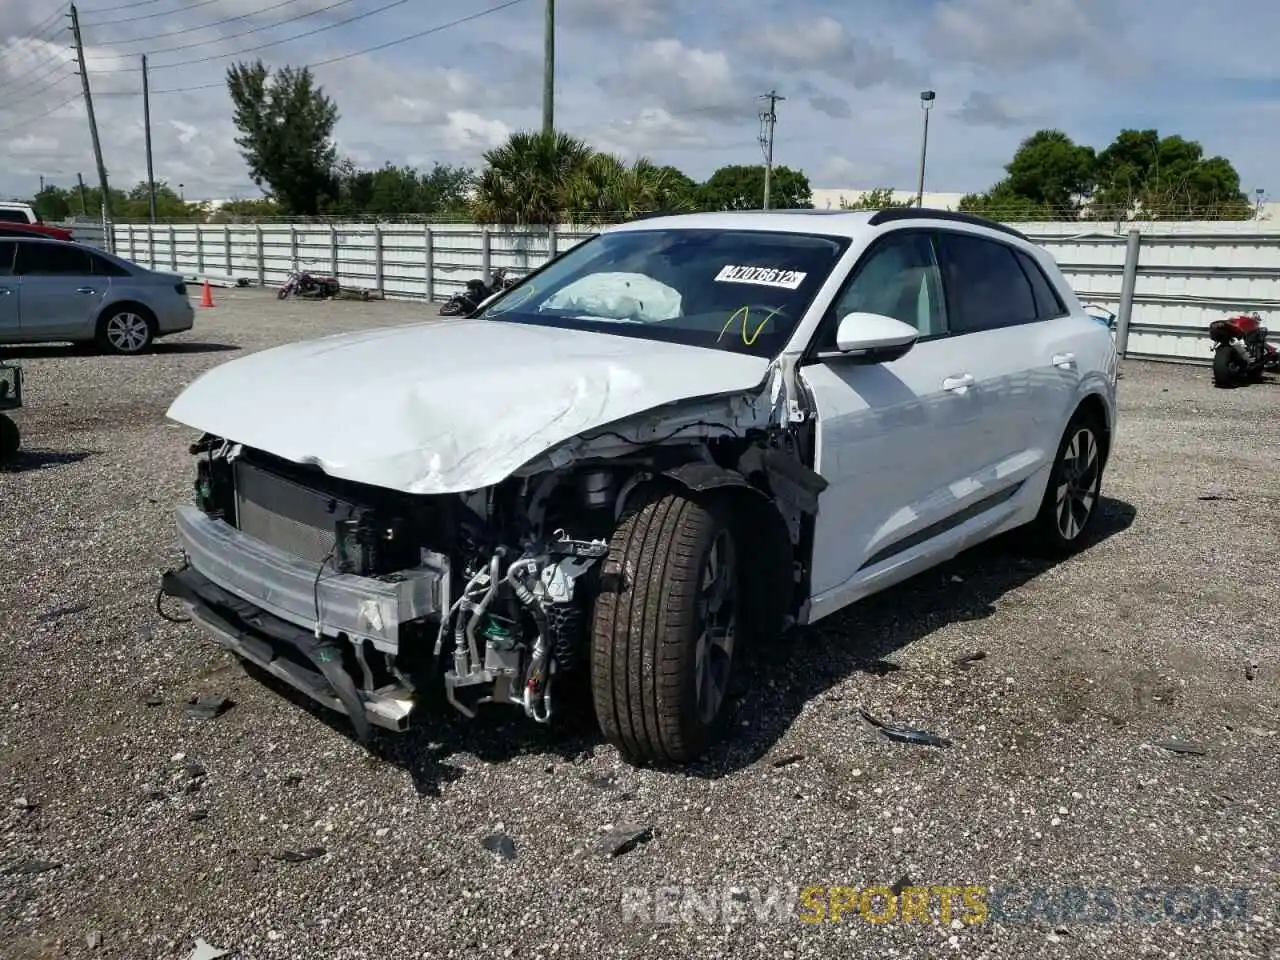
[477,292]
[1241,353]
[303,283]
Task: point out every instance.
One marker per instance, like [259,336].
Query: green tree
[741,187]
[52,203]
[241,210]
[286,123]
[880,198]
[525,180]
[1051,169]
[398,191]
[1141,174]
[606,187]
[680,191]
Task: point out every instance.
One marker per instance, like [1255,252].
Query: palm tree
[536,178]
[524,180]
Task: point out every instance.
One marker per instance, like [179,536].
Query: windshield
[738,290]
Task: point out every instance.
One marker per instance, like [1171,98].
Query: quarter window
[102,267]
[988,288]
[7,248]
[1048,303]
[899,279]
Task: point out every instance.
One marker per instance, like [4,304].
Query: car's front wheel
[125,330]
[1070,502]
[667,629]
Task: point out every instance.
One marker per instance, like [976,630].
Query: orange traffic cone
[206,300]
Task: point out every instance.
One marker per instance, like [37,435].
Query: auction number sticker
[761,276]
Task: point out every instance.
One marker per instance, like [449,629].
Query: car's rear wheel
[667,629]
[126,331]
[10,438]
[1070,504]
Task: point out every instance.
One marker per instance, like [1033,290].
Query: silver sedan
[63,291]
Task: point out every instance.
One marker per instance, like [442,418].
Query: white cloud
[675,80]
[467,131]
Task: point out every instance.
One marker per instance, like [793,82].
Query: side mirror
[873,337]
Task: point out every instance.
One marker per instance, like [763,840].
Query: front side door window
[899,278]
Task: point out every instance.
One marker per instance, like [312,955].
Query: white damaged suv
[662,447]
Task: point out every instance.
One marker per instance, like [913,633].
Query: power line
[24,46]
[26,83]
[44,24]
[243,33]
[149,16]
[124,6]
[271,43]
[204,26]
[359,53]
[40,116]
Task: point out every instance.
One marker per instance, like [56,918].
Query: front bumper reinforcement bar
[310,665]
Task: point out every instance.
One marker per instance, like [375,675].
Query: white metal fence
[1187,273]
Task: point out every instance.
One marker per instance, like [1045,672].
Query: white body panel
[925,455]
[447,407]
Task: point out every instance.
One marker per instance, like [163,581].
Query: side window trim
[953,310]
[829,318]
[1045,312]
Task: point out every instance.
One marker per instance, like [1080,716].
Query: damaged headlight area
[366,598]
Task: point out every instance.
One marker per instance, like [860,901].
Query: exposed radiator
[293,518]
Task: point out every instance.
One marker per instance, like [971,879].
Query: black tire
[1055,532]
[10,438]
[1228,367]
[648,624]
[282,293]
[140,327]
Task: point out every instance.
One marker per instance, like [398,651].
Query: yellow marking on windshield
[744,312]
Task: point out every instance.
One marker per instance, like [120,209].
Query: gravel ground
[165,829]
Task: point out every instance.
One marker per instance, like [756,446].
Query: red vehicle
[1241,353]
[34,230]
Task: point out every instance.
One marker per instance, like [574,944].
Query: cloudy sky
[673,79]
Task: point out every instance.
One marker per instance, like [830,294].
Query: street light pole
[926,101]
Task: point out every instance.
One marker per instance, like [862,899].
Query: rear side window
[986,286]
[7,250]
[53,260]
[14,216]
[102,267]
[1048,303]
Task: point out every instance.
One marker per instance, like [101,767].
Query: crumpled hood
[446,407]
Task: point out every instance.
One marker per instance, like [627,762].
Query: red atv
[1241,353]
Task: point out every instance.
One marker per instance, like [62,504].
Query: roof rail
[891,214]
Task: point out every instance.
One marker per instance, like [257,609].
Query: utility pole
[88,106]
[926,101]
[42,183]
[768,118]
[146,120]
[549,69]
[84,202]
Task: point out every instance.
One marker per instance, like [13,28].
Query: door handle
[5,291]
[86,290]
[1066,361]
[958,384]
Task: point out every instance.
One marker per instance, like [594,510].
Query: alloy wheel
[1079,473]
[128,332]
[718,603]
